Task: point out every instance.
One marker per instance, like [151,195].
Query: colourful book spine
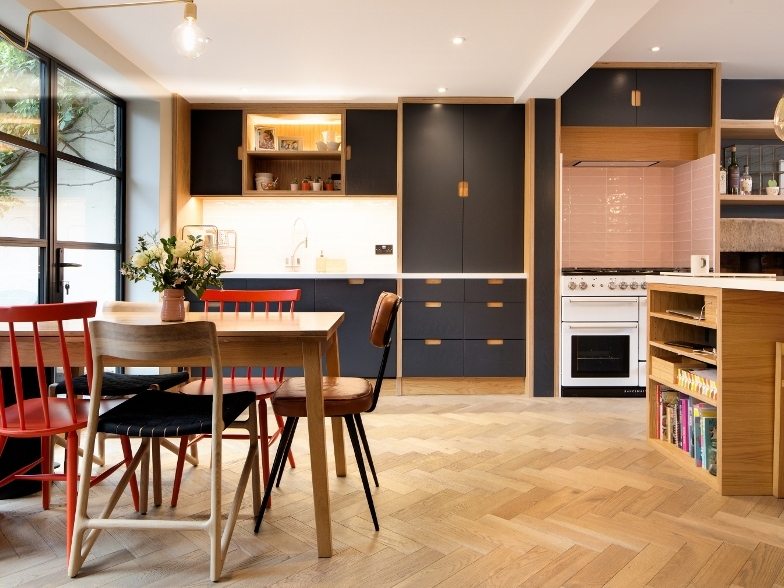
[709,444]
[685,422]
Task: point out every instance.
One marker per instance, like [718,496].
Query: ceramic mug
[700,264]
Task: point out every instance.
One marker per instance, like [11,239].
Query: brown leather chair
[343,397]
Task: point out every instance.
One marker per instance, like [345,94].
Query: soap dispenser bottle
[321,262]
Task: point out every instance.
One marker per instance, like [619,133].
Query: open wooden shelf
[747,129]
[754,199]
[677,388]
[686,461]
[703,357]
[685,320]
[295,154]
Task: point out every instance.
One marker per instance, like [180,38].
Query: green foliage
[772,183]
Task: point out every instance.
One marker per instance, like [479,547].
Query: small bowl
[333,145]
[321,146]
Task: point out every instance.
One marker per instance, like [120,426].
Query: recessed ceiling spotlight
[458,40]
[442,90]
[655,49]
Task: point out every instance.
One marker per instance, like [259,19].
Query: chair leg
[125,442]
[178,470]
[352,433]
[288,441]
[279,420]
[288,430]
[46,468]
[264,436]
[71,477]
[144,477]
[363,437]
[100,441]
[156,472]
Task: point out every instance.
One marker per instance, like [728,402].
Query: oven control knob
[623,285]
[612,286]
[583,285]
[634,286]
[643,285]
[572,285]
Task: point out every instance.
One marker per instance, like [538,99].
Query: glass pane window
[20,201]
[20,93]
[21,275]
[86,204]
[94,279]
[86,122]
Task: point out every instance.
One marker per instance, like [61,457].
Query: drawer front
[489,290]
[423,359]
[435,289]
[432,320]
[491,320]
[502,358]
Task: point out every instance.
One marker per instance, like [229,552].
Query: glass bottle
[722,178]
[733,173]
[745,181]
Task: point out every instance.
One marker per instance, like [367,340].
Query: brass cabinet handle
[239,152]
[495,341]
[432,305]
[495,305]
[495,282]
[433,281]
[432,341]
[356,281]
[348,152]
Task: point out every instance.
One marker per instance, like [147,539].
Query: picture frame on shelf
[289,144]
[264,138]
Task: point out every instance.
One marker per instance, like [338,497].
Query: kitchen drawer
[490,290]
[494,320]
[432,357]
[436,289]
[432,320]
[499,357]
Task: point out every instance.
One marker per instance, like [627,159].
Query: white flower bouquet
[174,263]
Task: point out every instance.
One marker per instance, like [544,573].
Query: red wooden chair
[258,302]
[44,416]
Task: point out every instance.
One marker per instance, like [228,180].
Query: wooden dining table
[273,339]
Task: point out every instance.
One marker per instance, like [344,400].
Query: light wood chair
[258,303]
[343,397]
[156,414]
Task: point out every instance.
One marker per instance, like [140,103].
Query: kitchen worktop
[733,283]
[373,276]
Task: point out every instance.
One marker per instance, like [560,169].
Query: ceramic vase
[173,307]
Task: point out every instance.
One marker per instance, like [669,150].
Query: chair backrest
[166,345]
[381,327]
[36,335]
[252,298]
[127,306]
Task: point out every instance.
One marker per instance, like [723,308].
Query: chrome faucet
[292,261]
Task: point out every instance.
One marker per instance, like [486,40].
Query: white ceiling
[368,50]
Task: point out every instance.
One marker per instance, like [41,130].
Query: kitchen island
[725,331]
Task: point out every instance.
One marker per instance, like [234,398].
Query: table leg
[333,369]
[311,353]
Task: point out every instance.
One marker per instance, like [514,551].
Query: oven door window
[600,356]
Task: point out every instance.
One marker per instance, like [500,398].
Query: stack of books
[702,381]
[689,425]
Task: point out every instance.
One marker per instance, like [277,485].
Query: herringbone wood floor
[475,491]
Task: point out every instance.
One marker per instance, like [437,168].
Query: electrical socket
[383,249]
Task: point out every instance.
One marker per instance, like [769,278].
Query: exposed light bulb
[188,38]
[778,119]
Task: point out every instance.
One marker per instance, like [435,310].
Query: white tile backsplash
[346,228]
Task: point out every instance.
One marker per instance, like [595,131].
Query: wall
[342,227]
[637,217]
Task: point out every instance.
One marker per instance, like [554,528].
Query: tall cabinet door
[372,137]
[432,166]
[493,214]
[215,137]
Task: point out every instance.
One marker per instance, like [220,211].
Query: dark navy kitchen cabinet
[357,298]
[750,99]
[432,166]
[371,141]
[442,145]
[667,98]
[215,137]
[602,98]
[433,357]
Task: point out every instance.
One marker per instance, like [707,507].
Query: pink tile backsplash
[637,217]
